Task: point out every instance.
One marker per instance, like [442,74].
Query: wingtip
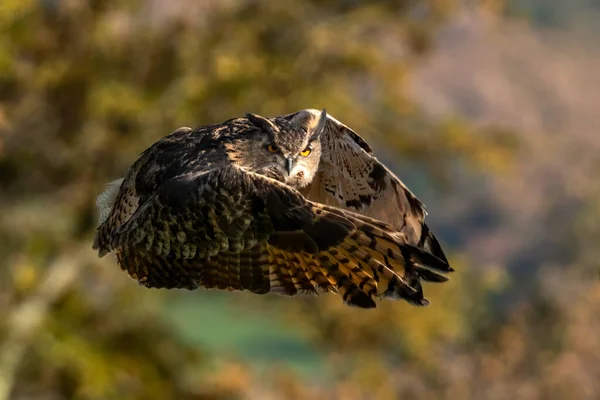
[421,302]
[96,246]
[430,243]
[101,253]
[426,259]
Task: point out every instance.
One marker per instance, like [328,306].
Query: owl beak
[289,165]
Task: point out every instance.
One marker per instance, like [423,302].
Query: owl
[295,204]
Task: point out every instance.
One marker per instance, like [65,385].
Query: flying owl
[291,204]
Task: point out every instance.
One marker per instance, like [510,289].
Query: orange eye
[272,149]
[305,152]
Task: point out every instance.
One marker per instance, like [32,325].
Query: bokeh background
[489,110]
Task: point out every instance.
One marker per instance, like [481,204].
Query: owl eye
[272,148]
[306,151]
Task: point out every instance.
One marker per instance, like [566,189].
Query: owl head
[280,149]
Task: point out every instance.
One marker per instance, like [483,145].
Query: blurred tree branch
[25,318]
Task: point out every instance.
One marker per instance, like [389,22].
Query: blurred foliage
[85,85]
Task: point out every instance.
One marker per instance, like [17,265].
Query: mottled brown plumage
[289,205]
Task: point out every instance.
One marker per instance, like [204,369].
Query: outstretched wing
[351,177]
[228,228]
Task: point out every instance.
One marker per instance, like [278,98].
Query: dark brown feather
[187,216]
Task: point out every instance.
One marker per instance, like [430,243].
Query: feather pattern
[351,177]
[106,199]
[195,211]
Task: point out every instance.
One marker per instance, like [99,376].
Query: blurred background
[487,109]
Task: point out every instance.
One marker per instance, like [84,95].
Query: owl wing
[231,229]
[351,177]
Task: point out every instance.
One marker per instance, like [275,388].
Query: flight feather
[240,206]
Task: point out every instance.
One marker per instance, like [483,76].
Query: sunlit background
[489,110]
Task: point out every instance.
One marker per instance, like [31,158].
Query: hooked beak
[289,164]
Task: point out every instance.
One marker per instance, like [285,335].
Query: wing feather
[352,178]
[254,233]
[184,217]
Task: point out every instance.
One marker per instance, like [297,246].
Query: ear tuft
[262,123]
